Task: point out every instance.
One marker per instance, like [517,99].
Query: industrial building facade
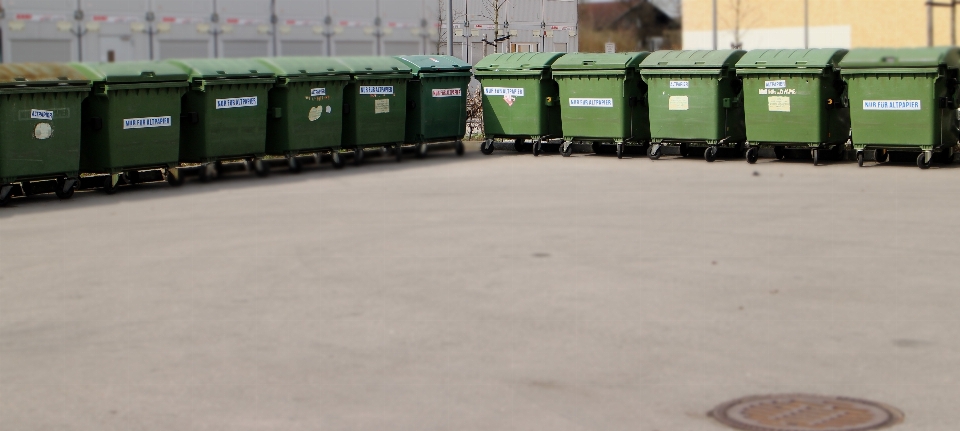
[119,30]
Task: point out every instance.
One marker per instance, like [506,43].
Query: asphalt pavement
[501,292]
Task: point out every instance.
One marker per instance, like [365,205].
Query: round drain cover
[797,412]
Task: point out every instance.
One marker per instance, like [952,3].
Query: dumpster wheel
[358,157]
[779,152]
[460,149]
[753,153]
[486,147]
[619,150]
[537,147]
[880,155]
[654,151]
[111,183]
[860,158]
[566,148]
[398,152]
[174,178]
[815,153]
[336,160]
[66,187]
[421,150]
[6,193]
[711,154]
[923,162]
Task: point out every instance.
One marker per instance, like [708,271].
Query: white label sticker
[776,84]
[329,109]
[679,103]
[146,123]
[315,92]
[778,104]
[592,103]
[238,102]
[37,114]
[502,91]
[891,105]
[43,131]
[376,90]
[447,92]
[381,106]
[315,113]
[679,84]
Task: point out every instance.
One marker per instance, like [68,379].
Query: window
[524,47]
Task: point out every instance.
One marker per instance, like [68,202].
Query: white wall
[772,38]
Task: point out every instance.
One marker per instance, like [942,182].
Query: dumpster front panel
[40,133]
[691,107]
[232,122]
[439,107]
[517,106]
[898,110]
[135,128]
[377,112]
[605,106]
[305,116]
[794,108]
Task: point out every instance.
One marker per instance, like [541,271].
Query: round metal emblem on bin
[798,412]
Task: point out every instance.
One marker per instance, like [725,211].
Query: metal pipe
[450,28]
[929,23]
[715,42]
[274,20]
[953,23]
[806,24]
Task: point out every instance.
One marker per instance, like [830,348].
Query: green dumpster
[306,107]
[903,100]
[695,101]
[225,113]
[375,113]
[131,121]
[520,99]
[793,98]
[603,100]
[40,126]
[436,100]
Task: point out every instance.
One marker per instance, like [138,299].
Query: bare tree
[742,19]
[493,10]
[441,24]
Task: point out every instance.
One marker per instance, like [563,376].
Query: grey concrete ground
[485,293]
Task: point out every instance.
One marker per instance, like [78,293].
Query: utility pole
[715,42]
[450,28]
[274,20]
[806,24]
[953,20]
[79,31]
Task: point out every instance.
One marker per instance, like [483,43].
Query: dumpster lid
[223,69]
[689,59]
[818,58]
[374,65]
[876,58]
[39,74]
[434,63]
[593,61]
[518,61]
[131,71]
[305,66]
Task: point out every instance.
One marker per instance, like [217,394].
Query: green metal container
[436,100]
[903,100]
[225,112]
[603,98]
[695,100]
[40,125]
[375,104]
[306,107]
[793,98]
[520,98]
[131,121]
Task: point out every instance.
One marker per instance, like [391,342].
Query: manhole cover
[795,412]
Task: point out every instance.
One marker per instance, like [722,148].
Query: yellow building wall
[874,23]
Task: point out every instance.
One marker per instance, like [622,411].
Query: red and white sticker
[447,92]
[39,18]
[244,21]
[114,19]
[179,20]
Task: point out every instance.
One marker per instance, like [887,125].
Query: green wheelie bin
[40,127]
[695,101]
[131,121]
[306,108]
[520,99]
[375,104]
[903,100]
[225,113]
[603,100]
[794,98]
[436,100]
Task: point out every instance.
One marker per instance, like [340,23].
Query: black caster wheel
[881,155]
[358,157]
[422,151]
[486,147]
[537,148]
[566,149]
[815,153]
[6,193]
[922,161]
[459,148]
[295,165]
[109,186]
[398,153]
[336,160]
[66,187]
[620,150]
[860,158]
[711,154]
[174,178]
[753,153]
[779,152]
[654,152]
[208,172]
[261,168]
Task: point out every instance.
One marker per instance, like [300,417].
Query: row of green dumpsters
[61,121]
[817,99]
